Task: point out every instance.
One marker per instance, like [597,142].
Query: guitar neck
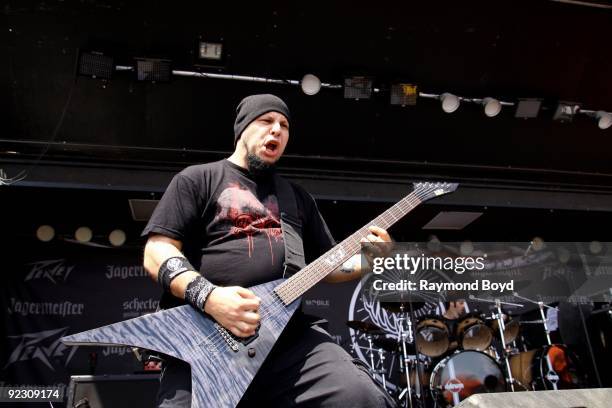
[295,286]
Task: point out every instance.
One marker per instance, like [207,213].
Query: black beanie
[251,107]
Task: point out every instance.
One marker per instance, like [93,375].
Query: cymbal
[385,343]
[364,327]
[396,307]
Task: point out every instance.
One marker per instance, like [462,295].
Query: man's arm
[353,269]
[234,308]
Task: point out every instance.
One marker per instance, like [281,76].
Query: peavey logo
[55,270]
[137,307]
[125,272]
[44,346]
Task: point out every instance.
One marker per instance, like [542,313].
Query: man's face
[266,137]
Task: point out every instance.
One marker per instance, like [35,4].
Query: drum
[512,328]
[530,369]
[463,374]
[473,333]
[431,336]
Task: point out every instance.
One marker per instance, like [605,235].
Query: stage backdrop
[55,289]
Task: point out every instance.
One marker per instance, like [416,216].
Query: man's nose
[276,128]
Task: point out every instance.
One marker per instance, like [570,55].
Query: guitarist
[217,231]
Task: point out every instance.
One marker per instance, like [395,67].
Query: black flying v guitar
[222,365]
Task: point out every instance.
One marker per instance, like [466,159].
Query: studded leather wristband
[197,292]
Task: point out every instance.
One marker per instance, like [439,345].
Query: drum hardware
[364,327]
[389,344]
[551,375]
[512,328]
[371,355]
[381,372]
[374,336]
[407,336]
[499,316]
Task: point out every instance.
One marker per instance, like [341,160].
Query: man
[224,217]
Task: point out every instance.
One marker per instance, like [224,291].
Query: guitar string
[277,304]
[395,218]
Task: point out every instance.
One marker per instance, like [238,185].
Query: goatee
[258,167]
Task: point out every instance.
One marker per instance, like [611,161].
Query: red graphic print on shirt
[248,216]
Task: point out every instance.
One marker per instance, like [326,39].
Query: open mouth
[271,146]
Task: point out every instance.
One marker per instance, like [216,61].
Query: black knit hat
[251,107]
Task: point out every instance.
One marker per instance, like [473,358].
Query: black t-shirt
[229,223]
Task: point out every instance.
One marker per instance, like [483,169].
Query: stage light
[210,51]
[604,119]
[95,65]
[595,247]
[450,102]
[528,108]
[117,237]
[45,233]
[404,94]
[563,255]
[466,248]
[492,107]
[311,85]
[83,234]
[155,70]
[358,87]
[434,243]
[565,111]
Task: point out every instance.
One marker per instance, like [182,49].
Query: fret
[295,286]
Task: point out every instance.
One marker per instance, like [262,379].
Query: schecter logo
[55,270]
[44,346]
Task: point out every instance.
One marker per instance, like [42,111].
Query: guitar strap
[291,227]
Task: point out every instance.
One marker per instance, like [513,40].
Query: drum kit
[443,361]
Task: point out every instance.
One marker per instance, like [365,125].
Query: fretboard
[295,286]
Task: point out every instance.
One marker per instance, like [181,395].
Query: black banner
[63,288]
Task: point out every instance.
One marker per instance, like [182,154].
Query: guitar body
[219,374]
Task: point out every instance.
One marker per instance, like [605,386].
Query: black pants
[304,369]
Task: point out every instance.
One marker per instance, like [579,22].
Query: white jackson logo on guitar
[335,257]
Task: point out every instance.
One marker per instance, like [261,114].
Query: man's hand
[377,243]
[235,308]
[352,269]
